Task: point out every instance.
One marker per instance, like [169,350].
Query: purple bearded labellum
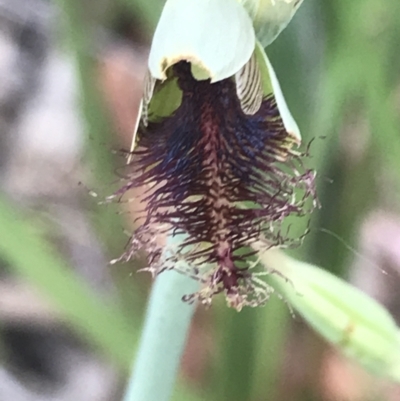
[217,170]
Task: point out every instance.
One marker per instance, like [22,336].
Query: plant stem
[163,339]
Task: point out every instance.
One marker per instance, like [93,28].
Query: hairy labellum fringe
[222,178]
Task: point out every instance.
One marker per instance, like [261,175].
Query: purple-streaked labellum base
[222,178]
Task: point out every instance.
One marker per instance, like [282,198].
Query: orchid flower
[216,162]
[214,151]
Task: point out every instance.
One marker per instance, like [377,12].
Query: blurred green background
[338,64]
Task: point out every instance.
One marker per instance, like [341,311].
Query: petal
[160,99]
[358,325]
[215,35]
[271,84]
[270,17]
[148,90]
[249,87]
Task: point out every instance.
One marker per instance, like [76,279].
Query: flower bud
[345,316]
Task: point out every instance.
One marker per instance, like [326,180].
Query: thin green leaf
[32,258]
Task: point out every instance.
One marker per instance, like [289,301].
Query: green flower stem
[163,339]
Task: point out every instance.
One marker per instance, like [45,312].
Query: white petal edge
[287,118]
[142,114]
[216,35]
[148,90]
